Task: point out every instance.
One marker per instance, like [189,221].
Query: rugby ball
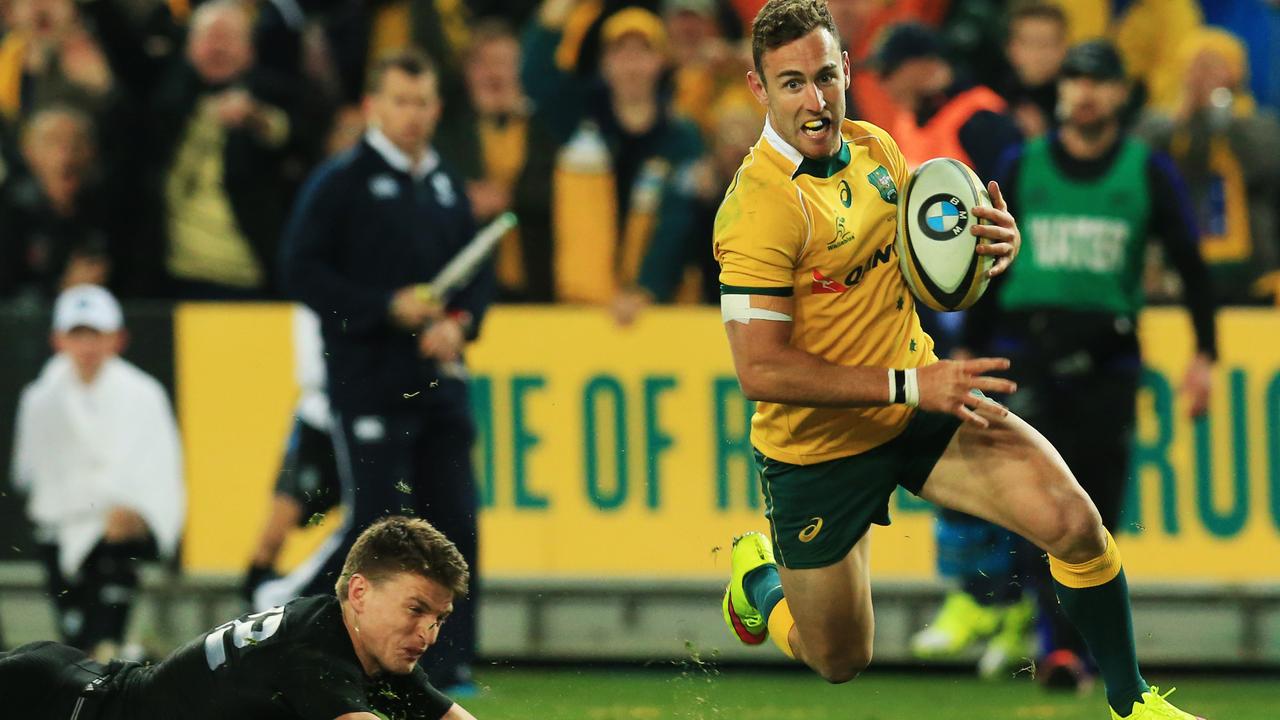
[935,244]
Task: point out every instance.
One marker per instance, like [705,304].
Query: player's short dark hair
[410,61]
[399,544]
[782,21]
[1038,11]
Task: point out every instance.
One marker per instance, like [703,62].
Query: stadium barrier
[676,621]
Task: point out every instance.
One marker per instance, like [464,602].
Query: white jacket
[82,449]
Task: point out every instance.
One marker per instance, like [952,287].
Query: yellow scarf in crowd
[392,28]
[13,53]
[597,252]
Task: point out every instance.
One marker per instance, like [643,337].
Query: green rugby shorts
[817,513]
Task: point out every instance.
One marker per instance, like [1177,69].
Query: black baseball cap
[1095,59]
[904,42]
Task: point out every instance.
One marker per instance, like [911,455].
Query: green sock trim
[764,589]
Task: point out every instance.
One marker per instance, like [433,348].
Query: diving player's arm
[455,713]
[770,369]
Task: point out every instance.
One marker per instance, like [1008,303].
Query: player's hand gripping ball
[936,244]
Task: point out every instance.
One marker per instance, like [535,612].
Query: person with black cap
[1089,197]
[940,114]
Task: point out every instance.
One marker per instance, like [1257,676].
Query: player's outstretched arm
[771,370]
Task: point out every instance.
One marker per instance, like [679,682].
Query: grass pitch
[701,692]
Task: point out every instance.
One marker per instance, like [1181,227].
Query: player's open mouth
[816,129]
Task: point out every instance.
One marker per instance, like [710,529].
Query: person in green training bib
[1089,198]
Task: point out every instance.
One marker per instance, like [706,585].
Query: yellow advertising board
[608,452]
[234,393]
[1206,501]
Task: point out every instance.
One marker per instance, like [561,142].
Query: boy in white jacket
[97,451]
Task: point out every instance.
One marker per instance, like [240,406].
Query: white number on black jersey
[248,630]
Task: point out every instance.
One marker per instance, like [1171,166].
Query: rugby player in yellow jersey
[852,401]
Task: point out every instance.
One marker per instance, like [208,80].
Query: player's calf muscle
[837,648]
[839,662]
[835,625]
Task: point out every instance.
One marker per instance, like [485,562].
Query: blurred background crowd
[156,147]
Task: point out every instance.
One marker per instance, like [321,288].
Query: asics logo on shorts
[811,530]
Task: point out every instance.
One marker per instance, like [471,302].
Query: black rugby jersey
[294,662]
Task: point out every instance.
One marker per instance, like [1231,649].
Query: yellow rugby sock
[1090,573]
[780,624]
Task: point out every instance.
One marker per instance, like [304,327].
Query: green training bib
[1082,242]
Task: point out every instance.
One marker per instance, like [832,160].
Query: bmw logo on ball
[943,216]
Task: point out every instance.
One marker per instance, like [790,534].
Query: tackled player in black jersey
[353,656]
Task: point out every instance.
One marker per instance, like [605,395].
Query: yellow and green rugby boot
[750,551]
[1155,706]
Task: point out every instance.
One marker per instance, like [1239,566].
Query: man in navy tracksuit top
[369,226]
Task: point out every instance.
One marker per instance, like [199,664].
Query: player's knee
[1078,535]
[844,664]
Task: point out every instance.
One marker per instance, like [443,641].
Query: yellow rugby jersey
[823,233]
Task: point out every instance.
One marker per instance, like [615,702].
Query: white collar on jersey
[782,146]
[396,157]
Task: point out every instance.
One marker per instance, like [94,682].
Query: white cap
[88,306]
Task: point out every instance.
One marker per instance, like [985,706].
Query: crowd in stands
[156,146]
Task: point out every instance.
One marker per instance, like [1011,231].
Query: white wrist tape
[912,388]
[737,308]
[904,387]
